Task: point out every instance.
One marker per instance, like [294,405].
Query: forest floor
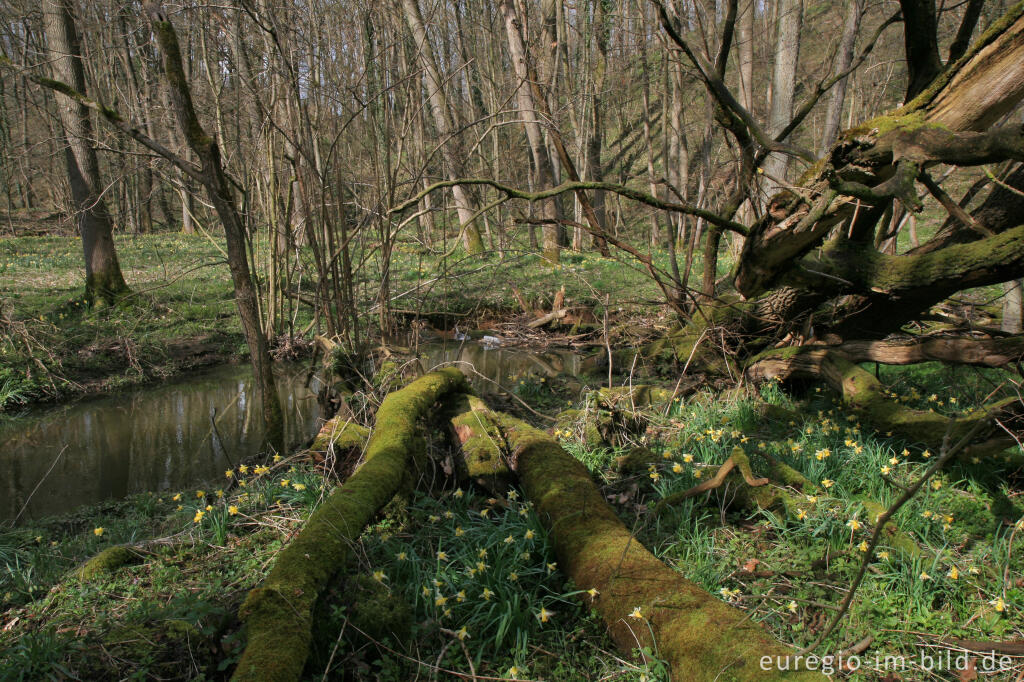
[182,316]
[397,613]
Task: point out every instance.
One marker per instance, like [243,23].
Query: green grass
[182,309]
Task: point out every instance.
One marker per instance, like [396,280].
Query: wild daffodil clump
[480,567]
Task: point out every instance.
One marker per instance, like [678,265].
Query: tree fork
[279,613]
[702,637]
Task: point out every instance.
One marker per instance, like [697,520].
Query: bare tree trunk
[445,127]
[528,111]
[843,61]
[787,53]
[218,188]
[103,278]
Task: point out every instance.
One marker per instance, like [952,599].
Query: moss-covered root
[110,559]
[340,434]
[643,602]
[279,612]
[865,394]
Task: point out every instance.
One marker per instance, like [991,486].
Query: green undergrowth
[456,580]
[790,566]
[170,611]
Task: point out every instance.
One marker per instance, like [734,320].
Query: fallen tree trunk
[996,352]
[279,612]
[644,603]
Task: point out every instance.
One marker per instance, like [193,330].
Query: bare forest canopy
[787,173]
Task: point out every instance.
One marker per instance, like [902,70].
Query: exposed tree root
[279,612]
[865,394]
[737,459]
[643,602]
[790,496]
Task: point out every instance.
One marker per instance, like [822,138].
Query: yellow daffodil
[953,573]
[176,498]
[883,555]
[233,510]
[199,516]
[677,468]
[379,576]
[999,604]
[854,524]
[544,615]
[285,482]
[200,494]
[791,606]
[687,458]
[459,493]
[487,594]
[229,474]
[593,592]
[636,613]
[442,556]
[924,576]
[827,483]
[801,514]
[462,633]
[97,531]
[529,534]
[863,546]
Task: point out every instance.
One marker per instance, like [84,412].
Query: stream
[159,437]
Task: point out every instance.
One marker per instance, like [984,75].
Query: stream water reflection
[159,437]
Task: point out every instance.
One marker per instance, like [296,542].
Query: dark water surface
[159,437]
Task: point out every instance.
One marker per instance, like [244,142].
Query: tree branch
[621,190]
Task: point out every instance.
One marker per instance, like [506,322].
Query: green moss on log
[701,637]
[279,612]
[484,459]
[110,559]
[340,434]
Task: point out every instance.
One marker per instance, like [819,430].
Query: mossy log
[340,434]
[110,559]
[478,433]
[700,636]
[279,612]
[865,394]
